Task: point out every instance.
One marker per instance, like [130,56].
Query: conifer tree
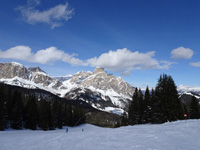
[50,120]
[141,107]
[155,107]
[67,115]
[134,109]
[194,109]
[70,116]
[169,105]
[9,105]
[2,109]
[16,112]
[43,112]
[78,116]
[60,117]
[31,113]
[147,106]
[124,121]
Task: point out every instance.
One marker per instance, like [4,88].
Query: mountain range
[99,89]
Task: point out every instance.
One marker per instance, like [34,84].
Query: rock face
[102,80]
[99,79]
[38,76]
[33,75]
[11,70]
[79,77]
[106,87]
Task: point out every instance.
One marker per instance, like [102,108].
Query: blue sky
[136,39]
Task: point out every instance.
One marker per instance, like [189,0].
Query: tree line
[160,105]
[19,111]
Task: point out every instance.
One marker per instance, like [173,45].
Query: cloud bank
[182,53]
[124,61]
[120,60]
[45,56]
[55,16]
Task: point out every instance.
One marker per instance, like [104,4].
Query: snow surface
[113,110]
[180,135]
[188,93]
[17,64]
[188,88]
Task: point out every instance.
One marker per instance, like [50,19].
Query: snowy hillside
[186,88]
[180,135]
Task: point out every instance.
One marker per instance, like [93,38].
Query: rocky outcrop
[99,79]
[11,70]
[79,77]
[35,75]
[36,69]
[38,76]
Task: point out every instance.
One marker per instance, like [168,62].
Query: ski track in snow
[180,135]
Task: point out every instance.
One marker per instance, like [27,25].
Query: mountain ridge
[106,88]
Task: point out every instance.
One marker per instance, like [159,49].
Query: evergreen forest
[20,111]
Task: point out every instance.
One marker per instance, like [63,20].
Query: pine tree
[194,109]
[155,107]
[78,116]
[43,112]
[134,109]
[67,115]
[147,106]
[16,112]
[31,113]
[169,105]
[9,105]
[124,121]
[70,116]
[50,119]
[2,109]
[141,107]
[60,117]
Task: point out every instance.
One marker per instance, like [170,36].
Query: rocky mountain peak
[11,70]
[99,70]
[36,69]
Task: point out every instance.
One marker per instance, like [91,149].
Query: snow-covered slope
[180,135]
[187,89]
[103,91]
[187,92]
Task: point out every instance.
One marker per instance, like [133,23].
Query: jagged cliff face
[35,75]
[103,81]
[103,91]
[111,88]
[79,77]
[11,70]
[38,76]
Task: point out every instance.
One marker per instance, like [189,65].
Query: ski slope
[180,135]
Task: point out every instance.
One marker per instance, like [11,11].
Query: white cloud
[124,61]
[195,64]
[121,60]
[54,16]
[18,52]
[45,56]
[182,53]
